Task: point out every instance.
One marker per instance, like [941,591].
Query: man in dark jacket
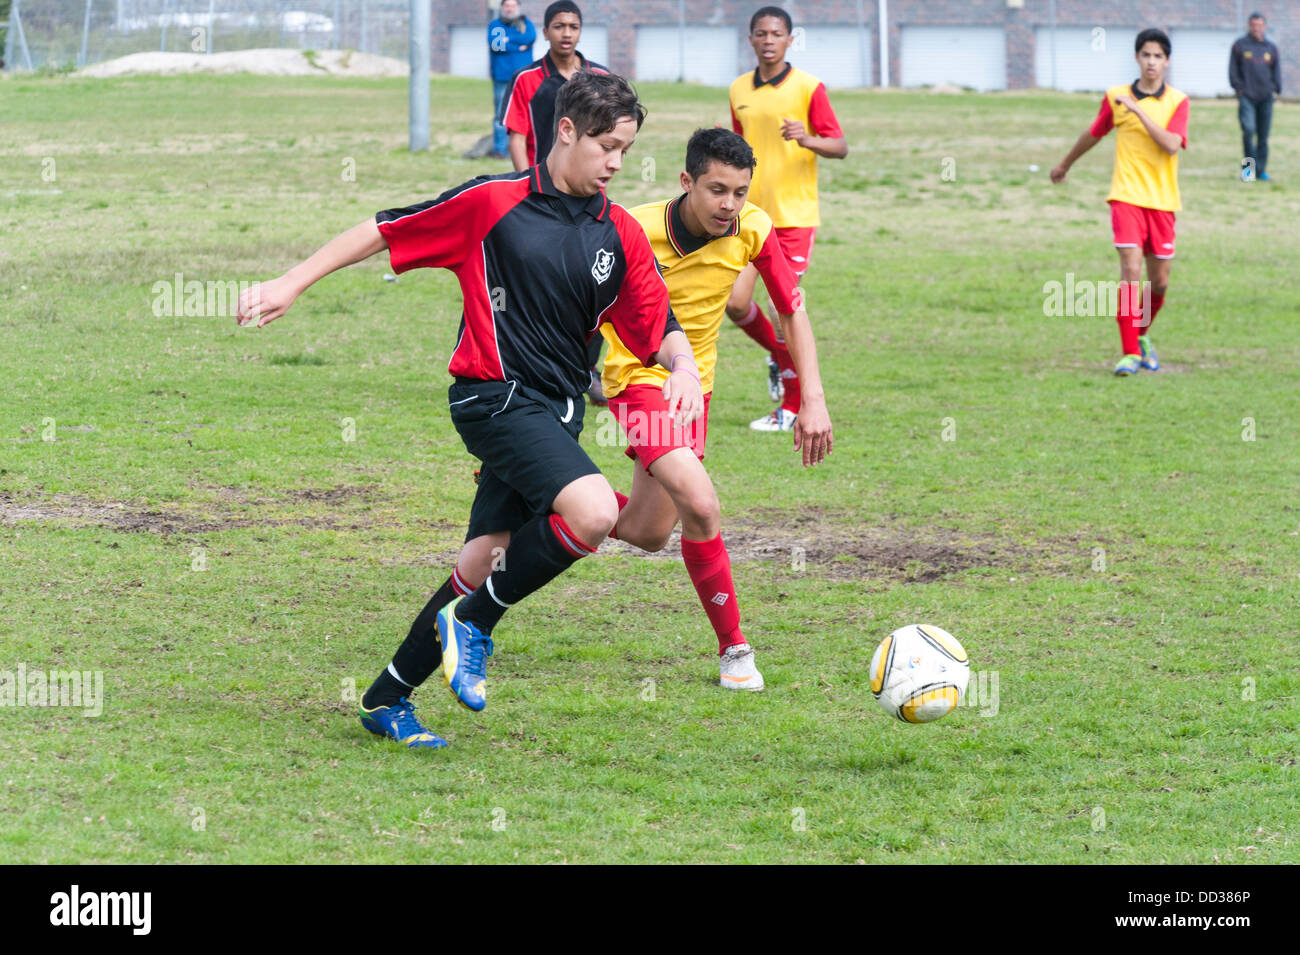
[510,47]
[1256,76]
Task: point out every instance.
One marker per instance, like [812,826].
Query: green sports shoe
[1149,360]
[1128,365]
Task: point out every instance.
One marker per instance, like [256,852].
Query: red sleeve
[821,118]
[735,123]
[782,284]
[1178,121]
[1105,120]
[517,117]
[442,232]
[640,312]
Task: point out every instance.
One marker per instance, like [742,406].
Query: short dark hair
[1152,35]
[717,145]
[595,102]
[1257,16]
[771,12]
[558,7]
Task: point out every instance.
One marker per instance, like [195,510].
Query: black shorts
[528,443]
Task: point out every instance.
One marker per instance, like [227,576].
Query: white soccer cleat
[782,419]
[738,670]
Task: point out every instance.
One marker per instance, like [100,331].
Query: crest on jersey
[603,265]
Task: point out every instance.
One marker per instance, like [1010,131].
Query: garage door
[964,56]
[710,54]
[469,51]
[1087,58]
[1199,63]
[594,44]
[836,55]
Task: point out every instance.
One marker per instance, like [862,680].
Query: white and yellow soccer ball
[919,673]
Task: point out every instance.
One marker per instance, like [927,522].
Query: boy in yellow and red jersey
[702,239]
[1151,119]
[786,116]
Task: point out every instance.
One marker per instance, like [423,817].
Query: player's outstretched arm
[1081,145]
[812,426]
[682,389]
[267,301]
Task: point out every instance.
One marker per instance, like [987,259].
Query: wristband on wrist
[693,371]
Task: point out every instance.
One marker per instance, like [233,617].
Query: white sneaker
[738,671]
[782,419]
[775,386]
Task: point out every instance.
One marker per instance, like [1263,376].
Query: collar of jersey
[774,81]
[1138,94]
[539,180]
[550,69]
[683,241]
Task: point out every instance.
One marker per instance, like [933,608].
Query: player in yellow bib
[1150,120]
[786,116]
[702,239]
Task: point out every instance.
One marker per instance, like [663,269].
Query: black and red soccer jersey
[539,271]
[529,104]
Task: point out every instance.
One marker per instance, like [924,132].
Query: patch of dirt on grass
[80,512]
[829,545]
[840,550]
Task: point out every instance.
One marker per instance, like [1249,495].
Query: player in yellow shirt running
[786,116]
[703,239]
[1151,122]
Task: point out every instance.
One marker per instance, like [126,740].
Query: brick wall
[622,17]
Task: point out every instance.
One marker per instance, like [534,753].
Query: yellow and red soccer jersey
[785,181]
[699,272]
[1145,175]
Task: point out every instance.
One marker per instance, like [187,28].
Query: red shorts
[797,244]
[1137,227]
[651,433]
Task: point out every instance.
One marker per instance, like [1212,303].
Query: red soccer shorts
[1137,227]
[651,432]
[797,244]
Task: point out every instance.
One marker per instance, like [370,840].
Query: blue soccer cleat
[399,723]
[464,658]
[1149,359]
[1128,365]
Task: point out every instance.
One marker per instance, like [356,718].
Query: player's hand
[1127,101]
[793,129]
[812,431]
[1058,173]
[265,301]
[684,398]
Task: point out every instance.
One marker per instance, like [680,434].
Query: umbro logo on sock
[719,598]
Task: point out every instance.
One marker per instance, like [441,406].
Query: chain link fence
[67,34]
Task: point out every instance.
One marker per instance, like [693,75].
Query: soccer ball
[919,673]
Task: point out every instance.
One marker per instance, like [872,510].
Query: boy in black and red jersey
[520,369]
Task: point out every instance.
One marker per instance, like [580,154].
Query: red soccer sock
[1128,315]
[1156,302]
[758,327]
[793,396]
[710,569]
[622,503]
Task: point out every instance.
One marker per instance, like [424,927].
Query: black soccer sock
[420,653]
[539,552]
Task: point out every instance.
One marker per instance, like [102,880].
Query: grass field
[237,526]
